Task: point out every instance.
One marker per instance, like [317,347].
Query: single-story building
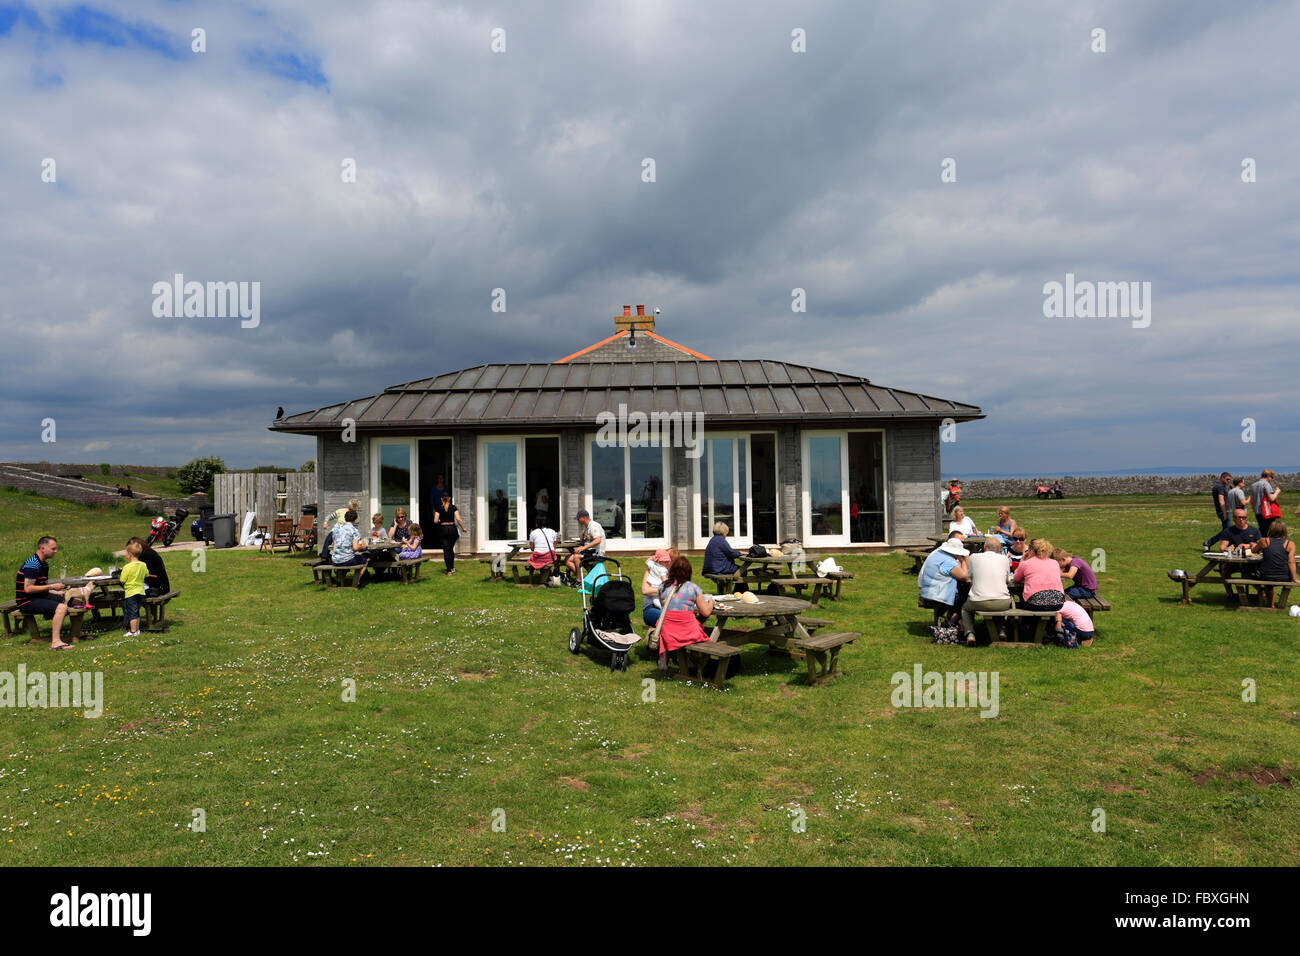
[654,439]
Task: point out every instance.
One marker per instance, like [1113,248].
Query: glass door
[825,488]
[501,502]
[867,487]
[392,480]
[724,490]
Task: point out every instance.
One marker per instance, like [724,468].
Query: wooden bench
[918,556]
[16,622]
[811,624]
[797,585]
[107,600]
[155,611]
[822,652]
[536,576]
[1040,629]
[836,579]
[408,569]
[726,583]
[1246,601]
[334,576]
[705,651]
[1092,605]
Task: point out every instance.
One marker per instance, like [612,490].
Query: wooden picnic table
[1227,564]
[779,617]
[973,542]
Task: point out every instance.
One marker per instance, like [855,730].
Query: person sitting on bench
[989,571]
[719,556]
[591,547]
[156,582]
[685,607]
[348,543]
[1041,577]
[542,540]
[412,536]
[1279,558]
[1076,573]
[940,576]
[34,593]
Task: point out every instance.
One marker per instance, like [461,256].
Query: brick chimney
[641,322]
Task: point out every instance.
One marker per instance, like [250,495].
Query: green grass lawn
[468,702]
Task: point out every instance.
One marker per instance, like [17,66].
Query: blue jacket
[719,556]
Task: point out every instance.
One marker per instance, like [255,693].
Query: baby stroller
[606,616]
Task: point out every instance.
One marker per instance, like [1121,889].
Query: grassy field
[469,708]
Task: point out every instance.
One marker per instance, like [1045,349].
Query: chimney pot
[640,310]
[627,310]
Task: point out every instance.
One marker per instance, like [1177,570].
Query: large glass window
[825,485]
[609,488]
[628,488]
[735,489]
[646,510]
[391,474]
[501,469]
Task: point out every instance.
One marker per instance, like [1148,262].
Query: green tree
[198,475]
[309,465]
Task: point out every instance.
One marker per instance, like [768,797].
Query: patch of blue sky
[300,68]
[85,24]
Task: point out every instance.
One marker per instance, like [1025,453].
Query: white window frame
[844,539]
[745,499]
[626,543]
[363,521]
[413,508]
[522,505]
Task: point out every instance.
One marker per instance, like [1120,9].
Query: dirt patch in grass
[529,724]
[1259,776]
[1115,786]
[636,750]
[705,821]
[475,675]
[576,783]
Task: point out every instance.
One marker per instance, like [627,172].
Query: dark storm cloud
[775,170]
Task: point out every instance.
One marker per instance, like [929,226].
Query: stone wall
[1107,485]
[92,471]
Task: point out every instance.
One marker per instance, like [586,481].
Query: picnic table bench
[1226,563]
[15,621]
[334,576]
[703,652]
[155,611]
[1250,593]
[819,587]
[822,652]
[781,628]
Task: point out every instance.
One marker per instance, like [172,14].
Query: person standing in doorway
[446,519]
[439,489]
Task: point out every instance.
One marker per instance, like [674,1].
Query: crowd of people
[959,583]
[343,544]
[143,575]
[1234,504]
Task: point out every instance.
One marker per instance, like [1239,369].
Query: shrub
[309,465]
[104,469]
[198,475]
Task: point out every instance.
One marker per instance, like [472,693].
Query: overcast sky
[774,170]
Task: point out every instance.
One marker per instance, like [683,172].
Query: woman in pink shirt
[1041,577]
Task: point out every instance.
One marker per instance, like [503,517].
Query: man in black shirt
[1240,532]
[1219,495]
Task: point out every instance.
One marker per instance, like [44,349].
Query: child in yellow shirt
[132,579]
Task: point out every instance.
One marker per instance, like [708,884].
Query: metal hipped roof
[567,394]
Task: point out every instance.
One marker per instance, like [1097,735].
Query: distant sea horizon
[1161,472]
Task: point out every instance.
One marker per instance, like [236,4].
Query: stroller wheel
[575,640]
[619,661]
